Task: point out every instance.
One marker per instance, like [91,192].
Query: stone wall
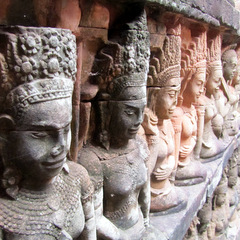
[196,195]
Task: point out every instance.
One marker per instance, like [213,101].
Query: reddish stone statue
[163,90]
[193,61]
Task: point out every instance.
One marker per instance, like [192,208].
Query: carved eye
[38,134]
[129,112]
[67,128]
[171,94]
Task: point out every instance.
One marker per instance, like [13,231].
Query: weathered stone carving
[211,145]
[193,71]
[116,157]
[204,216]
[44,195]
[229,63]
[220,208]
[163,90]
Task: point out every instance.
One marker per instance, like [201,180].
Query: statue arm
[144,201]
[89,231]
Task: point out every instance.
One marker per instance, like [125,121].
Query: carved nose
[57,150]
[139,119]
[59,147]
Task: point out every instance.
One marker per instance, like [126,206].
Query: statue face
[230,67]
[166,100]
[38,147]
[127,116]
[214,81]
[194,88]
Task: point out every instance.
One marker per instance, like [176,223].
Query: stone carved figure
[163,90]
[229,63]
[116,157]
[204,216]
[44,196]
[193,65]
[211,144]
[220,212]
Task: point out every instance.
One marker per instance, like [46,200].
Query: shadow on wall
[21,13]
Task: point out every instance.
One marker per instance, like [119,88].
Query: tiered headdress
[214,52]
[229,52]
[194,54]
[36,65]
[193,59]
[123,61]
[165,63]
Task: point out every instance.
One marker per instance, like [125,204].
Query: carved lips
[54,164]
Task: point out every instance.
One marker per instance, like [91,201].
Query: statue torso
[47,214]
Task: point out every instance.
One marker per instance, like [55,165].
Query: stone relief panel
[145,123]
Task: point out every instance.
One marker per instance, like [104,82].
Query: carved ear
[7,123]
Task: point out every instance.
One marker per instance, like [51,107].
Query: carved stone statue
[193,63]
[163,90]
[220,208]
[211,144]
[229,62]
[204,216]
[44,196]
[116,156]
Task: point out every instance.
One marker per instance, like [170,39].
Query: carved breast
[124,174]
[189,124]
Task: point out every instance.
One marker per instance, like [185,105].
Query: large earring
[10,181]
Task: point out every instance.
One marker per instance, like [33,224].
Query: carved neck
[118,142]
[186,104]
[37,185]
[160,122]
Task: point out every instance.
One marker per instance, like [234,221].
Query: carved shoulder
[88,158]
[143,147]
[80,175]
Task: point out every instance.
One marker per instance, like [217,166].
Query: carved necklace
[41,212]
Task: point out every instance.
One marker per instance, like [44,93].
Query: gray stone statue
[116,156]
[43,195]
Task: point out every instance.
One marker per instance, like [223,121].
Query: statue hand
[184,151]
[161,174]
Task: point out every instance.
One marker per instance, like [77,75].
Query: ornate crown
[36,64]
[214,52]
[194,54]
[229,52]
[165,63]
[123,61]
